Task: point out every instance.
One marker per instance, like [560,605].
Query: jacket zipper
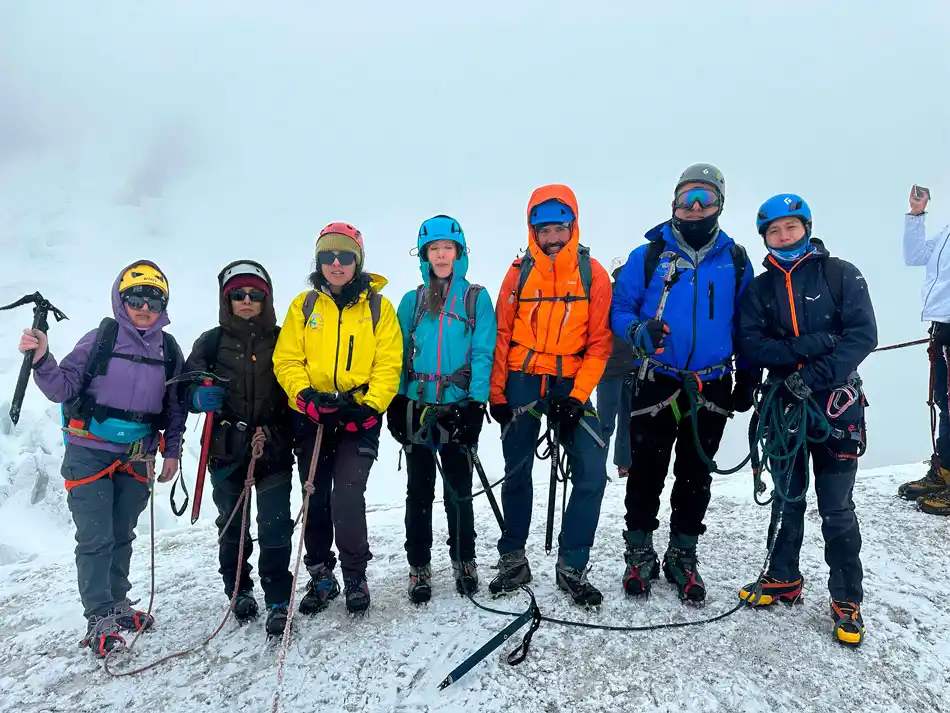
[712,300]
[936,279]
[349,355]
[692,346]
[336,355]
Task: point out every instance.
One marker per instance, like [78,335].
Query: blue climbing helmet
[783,205]
[551,211]
[442,227]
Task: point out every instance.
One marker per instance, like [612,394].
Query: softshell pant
[105,511]
[614,397]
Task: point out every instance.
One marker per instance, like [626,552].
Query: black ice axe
[41,309]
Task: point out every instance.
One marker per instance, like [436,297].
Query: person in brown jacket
[240,352]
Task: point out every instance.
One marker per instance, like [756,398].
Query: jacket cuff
[42,361]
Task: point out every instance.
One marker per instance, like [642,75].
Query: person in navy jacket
[702,273]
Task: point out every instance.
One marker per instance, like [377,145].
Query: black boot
[679,566]
[356,591]
[420,584]
[102,635]
[245,607]
[513,571]
[643,566]
[574,582]
[276,620]
[322,588]
[130,619]
[466,576]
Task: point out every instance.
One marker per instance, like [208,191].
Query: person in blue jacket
[676,301]
[809,320]
[448,329]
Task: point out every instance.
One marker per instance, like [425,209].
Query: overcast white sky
[197,132]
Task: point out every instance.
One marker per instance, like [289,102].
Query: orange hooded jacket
[535,336]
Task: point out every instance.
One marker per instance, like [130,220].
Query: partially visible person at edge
[240,352]
[688,352]
[114,410]
[614,398]
[448,330]
[552,346]
[932,492]
[339,363]
[808,319]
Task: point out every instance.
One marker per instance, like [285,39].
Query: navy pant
[587,462]
[274,532]
[105,511]
[940,398]
[614,397]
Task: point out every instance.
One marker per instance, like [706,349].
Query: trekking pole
[41,309]
[669,279]
[486,486]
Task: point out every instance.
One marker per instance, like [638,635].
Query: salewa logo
[812,299]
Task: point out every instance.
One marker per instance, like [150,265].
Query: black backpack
[651,261]
[82,407]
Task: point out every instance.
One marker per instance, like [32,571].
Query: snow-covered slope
[393,658]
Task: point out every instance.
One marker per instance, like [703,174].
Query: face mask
[790,253]
[697,233]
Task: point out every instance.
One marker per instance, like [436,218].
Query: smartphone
[920,192]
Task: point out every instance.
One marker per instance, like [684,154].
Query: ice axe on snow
[670,277]
[41,309]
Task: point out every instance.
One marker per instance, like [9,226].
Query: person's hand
[501,413]
[359,418]
[648,336]
[36,340]
[169,468]
[918,205]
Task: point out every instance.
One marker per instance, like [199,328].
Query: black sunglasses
[345,257]
[154,304]
[239,295]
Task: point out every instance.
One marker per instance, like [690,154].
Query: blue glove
[207,398]
[648,336]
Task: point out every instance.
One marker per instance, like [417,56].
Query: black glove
[397,418]
[565,414]
[359,418]
[941,334]
[743,392]
[466,425]
[647,337]
[796,387]
[501,413]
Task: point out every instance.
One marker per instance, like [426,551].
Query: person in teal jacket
[448,330]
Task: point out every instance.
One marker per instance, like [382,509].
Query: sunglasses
[706,197]
[328,258]
[239,295]
[136,302]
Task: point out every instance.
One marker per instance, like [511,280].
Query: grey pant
[105,512]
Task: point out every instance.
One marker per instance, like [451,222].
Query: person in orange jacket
[552,347]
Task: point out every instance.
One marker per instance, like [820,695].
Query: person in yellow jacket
[338,357]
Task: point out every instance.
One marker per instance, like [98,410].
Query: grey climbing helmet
[703,173]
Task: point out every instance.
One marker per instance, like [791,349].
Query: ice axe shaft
[41,309]
[202,461]
[668,279]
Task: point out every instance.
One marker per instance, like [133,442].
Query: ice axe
[669,279]
[41,309]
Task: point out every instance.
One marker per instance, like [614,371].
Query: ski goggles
[706,197]
[254,295]
[327,257]
[137,302]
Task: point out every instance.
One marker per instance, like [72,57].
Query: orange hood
[564,194]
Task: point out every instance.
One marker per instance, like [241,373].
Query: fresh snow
[394,658]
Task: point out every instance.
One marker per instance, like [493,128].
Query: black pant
[457,497]
[274,532]
[652,439]
[338,503]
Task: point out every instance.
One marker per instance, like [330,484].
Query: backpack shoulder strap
[309,302]
[651,261]
[212,345]
[739,259]
[470,303]
[835,279]
[583,266]
[524,264]
[98,362]
[171,351]
[375,307]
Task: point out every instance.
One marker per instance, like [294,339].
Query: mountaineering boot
[773,592]
[102,635]
[934,481]
[574,582]
[679,566]
[356,591]
[642,562]
[466,576]
[245,607]
[420,584]
[130,619]
[936,504]
[276,620]
[513,571]
[321,589]
[849,625]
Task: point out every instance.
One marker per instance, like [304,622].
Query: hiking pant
[652,440]
[105,511]
[835,467]
[614,397]
[586,460]
[274,532]
[456,496]
[940,398]
[338,503]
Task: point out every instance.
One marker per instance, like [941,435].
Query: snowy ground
[394,658]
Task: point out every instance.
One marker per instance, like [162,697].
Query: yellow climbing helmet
[143,275]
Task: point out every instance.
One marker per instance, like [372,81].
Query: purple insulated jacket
[126,384]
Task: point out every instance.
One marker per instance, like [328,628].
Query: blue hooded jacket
[701,311]
[444,343]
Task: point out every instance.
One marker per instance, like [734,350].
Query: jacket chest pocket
[349,352]
[712,299]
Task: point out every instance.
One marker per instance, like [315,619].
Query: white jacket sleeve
[917,249]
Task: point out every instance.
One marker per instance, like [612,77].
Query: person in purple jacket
[116,404]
